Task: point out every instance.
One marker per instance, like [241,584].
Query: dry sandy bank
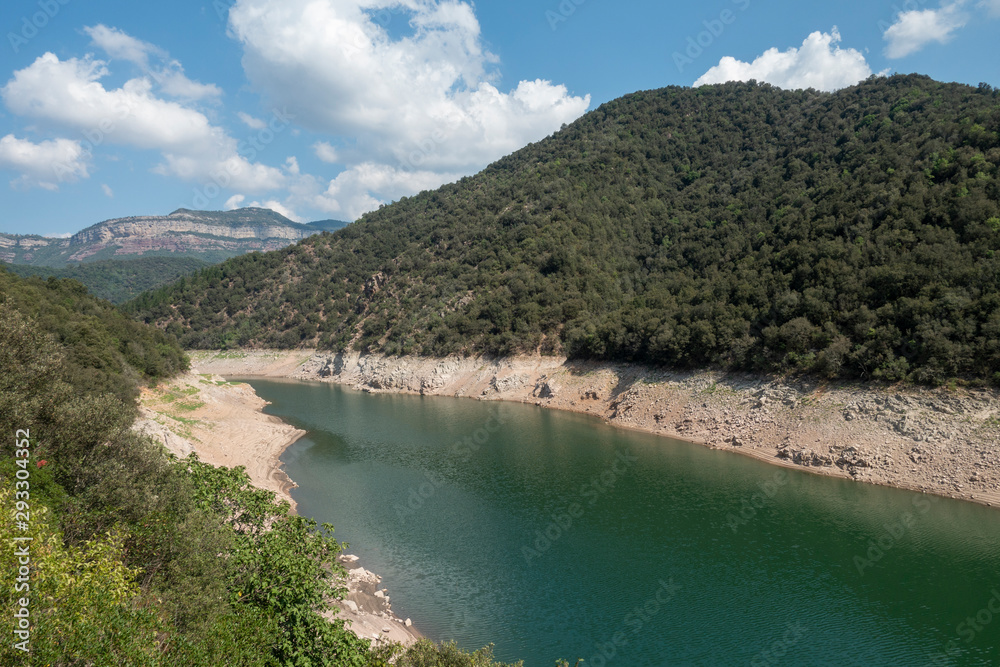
[224,423]
[941,441]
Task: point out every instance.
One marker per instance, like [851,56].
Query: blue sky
[327,108]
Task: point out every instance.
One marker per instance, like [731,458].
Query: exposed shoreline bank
[940,441]
[224,424]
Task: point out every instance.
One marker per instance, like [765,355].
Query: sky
[330,108]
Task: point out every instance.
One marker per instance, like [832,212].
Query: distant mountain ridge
[211,236]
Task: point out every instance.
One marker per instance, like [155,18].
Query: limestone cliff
[209,235]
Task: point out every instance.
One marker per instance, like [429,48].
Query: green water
[657,552]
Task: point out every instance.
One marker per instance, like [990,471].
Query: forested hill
[738,226]
[116,280]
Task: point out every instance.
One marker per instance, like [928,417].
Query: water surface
[553,535]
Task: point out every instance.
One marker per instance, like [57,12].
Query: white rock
[407,622]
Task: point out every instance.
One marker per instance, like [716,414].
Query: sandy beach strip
[224,424]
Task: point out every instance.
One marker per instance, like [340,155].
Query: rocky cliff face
[213,235]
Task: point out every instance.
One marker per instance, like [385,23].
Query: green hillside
[735,226]
[117,280]
[135,558]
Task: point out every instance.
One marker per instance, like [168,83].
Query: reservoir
[553,535]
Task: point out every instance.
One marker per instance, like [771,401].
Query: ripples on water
[682,555]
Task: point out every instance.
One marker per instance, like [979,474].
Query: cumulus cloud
[45,164]
[913,30]
[326,152]
[277,207]
[119,45]
[68,94]
[420,100]
[819,63]
[251,122]
[168,74]
[363,187]
[234,202]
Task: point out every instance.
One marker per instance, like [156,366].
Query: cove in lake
[553,535]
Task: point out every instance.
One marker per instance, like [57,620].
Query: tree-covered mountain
[117,280]
[737,226]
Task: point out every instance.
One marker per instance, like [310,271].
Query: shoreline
[224,424]
[940,441]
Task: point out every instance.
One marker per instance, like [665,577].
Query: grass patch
[231,354]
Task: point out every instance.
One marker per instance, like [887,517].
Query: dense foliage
[137,559]
[737,226]
[117,280]
[103,351]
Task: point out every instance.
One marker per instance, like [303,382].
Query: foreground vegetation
[737,226]
[136,558]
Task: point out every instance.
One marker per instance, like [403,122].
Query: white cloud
[234,202]
[423,102]
[326,152]
[819,63]
[119,45]
[169,74]
[363,187]
[277,207]
[45,164]
[68,94]
[991,6]
[251,122]
[292,165]
[107,190]
[173,82]
[913,30]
